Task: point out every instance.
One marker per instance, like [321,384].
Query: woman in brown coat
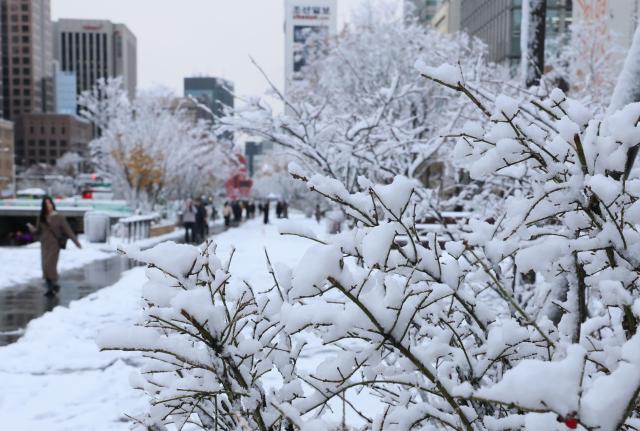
[53,231]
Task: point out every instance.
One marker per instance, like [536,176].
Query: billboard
[308,26]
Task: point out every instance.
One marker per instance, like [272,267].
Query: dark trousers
[188,232]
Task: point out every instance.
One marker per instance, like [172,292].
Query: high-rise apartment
[27,57]
[497,23]
[95,49]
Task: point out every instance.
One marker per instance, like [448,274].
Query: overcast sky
[178,38]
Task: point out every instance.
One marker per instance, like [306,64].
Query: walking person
[189,221]
[279,210]
[265,210]
[226,213]
[201,221]
[53,230]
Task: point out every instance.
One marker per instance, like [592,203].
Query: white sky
[178,38]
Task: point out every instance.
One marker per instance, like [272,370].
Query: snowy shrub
[425,332]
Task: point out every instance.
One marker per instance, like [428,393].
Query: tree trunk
[628,86]
[532,37]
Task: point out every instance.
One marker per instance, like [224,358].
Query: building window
[24,7]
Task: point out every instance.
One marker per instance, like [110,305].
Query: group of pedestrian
[194,219]
[282,209]
[234,212]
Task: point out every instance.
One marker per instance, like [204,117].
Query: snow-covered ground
[55,378]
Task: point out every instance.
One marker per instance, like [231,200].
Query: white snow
[445,72]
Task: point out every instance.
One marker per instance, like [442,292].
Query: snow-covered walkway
[55,378]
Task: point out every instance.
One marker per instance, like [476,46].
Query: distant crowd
[196,213]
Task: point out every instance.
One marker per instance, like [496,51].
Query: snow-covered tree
[361,111]
[424,331]
[150,148]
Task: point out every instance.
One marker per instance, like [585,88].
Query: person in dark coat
[265,211]
[279,210]
[201,221]
[53,231]
[226,213]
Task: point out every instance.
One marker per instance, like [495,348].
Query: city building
[27,57]
[447,17]
[422,10]
[497,23]
[214,93]
[66,100]
[7,167]
[620,16]
[95,49]
[46,137]
[309,24]
[254,152]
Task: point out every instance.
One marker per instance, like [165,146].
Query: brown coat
[56,227]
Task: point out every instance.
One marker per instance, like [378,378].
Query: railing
[137,227]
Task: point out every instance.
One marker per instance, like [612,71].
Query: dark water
[20,304]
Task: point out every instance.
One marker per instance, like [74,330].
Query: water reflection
[20,304]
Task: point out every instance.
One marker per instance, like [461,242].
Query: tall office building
[497,23]
[214,93]
[95,49]
[65,84]
[27,57]
[309,24]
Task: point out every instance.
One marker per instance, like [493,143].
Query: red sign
[92,27]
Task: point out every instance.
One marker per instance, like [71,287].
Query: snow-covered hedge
[443,331]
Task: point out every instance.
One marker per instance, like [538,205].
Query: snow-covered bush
[425,332]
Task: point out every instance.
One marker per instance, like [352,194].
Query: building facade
[95,49]
[497,23]
[46,137]
[620,16]
[309,24]
[7,167]
[65,85]
[214,93]
[447,17]
[421,10]
[27,57]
